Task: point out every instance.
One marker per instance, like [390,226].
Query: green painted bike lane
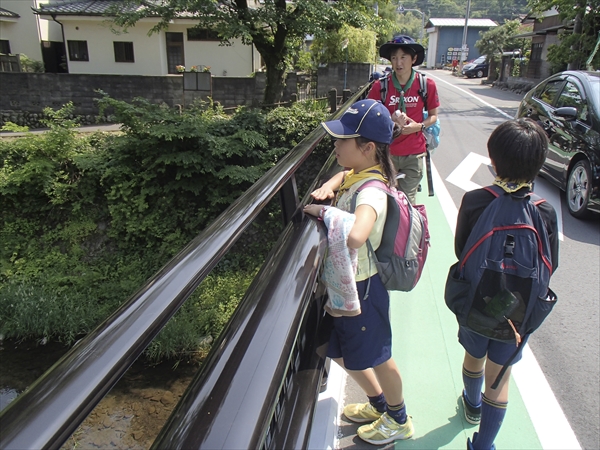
[425,347]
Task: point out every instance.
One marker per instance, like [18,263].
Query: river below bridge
[129,417]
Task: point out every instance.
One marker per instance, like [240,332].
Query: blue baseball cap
[367,118]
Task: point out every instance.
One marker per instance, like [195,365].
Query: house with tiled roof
[92,46]
[86,41]
[446,38]
[546,29]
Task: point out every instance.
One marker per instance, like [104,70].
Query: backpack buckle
[509,246]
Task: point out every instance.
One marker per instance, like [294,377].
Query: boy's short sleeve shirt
[377,199]
[414,143]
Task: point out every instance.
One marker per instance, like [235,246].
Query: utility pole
[464,39]
[402,10]
[345,47]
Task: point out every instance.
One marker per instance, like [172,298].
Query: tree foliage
[500,39]
[330,48]
[577,46]
[497,10]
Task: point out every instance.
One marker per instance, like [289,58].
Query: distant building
[446,37]
[546,28]
[21,32]
[75,36]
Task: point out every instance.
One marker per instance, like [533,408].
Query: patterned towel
[340,265]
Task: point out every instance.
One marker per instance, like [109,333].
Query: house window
[78,51]
[197,34]
[4,46]
[123,52]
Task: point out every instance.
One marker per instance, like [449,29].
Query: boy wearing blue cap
[362,343]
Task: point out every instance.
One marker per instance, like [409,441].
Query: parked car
[567,106]
[476,68]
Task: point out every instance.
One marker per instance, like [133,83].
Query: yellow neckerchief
[353,178]
[511,186]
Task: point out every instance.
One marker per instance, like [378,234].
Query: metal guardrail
[259,385]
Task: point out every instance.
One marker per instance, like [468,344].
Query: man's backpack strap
[383,82]
[423,88]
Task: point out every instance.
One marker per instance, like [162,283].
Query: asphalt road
[567,346]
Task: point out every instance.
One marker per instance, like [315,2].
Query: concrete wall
[23,95]
[333,75]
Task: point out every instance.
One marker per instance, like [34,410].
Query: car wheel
[479,73]
[579,189]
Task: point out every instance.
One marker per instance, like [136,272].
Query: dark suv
[476,68]
[567,106]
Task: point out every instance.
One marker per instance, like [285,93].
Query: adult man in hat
[405,102]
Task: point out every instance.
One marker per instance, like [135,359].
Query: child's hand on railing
[323,193]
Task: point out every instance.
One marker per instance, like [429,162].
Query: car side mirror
[566,112]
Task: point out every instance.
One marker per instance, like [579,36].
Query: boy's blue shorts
[498,352]
[364,341]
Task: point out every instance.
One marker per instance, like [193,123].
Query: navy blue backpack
[499,288]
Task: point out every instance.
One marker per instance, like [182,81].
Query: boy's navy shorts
[498,352]
[364,341]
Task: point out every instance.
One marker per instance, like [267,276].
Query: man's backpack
[499,288]
[432,132]
[401,255]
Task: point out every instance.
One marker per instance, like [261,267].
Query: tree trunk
[275,82]
[273,53]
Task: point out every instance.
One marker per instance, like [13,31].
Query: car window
[549,92]
[479,60]
[570,96]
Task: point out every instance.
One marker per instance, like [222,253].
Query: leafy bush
[31,65]
[87,219]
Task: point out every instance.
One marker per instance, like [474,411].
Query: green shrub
[85,220]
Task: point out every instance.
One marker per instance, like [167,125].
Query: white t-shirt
[377,199]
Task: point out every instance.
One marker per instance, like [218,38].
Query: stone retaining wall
[23,96]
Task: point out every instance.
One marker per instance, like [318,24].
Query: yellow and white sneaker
[361,412]
[385,430]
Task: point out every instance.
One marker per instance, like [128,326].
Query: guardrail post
[332,97]
[289,199]
[346,94]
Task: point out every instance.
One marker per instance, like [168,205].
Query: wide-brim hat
[367,118]
[385,51]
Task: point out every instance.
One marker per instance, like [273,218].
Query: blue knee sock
[398,412]
[378,402]
[473,382]
[492,415]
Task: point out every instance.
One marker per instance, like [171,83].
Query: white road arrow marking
[461,176]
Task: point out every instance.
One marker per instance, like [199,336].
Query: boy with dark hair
[517,150]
